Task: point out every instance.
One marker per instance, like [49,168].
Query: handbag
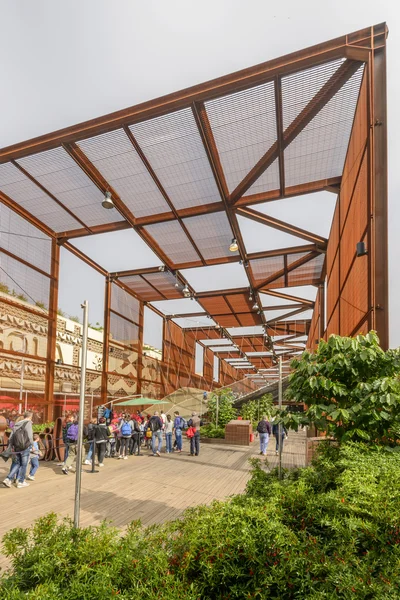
[190,432]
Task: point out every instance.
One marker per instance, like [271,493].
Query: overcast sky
[68,61]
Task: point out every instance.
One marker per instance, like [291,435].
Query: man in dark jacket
[20,443]
[275,433]
[156,426]
[264,431]
[195,422]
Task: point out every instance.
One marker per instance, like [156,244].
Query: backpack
[20,438]
[154,424]
[126,429]
[72,432]
[183,423]
[107,413]
[262,427]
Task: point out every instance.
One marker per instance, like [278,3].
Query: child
[35,455]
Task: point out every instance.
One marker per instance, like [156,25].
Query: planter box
[312,445]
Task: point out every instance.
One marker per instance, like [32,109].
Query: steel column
[106,339]
[52,330]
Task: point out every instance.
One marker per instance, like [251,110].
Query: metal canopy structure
[189,173]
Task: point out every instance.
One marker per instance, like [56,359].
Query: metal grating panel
[244,128]
[173,242]
[307,273]
[164,282]
[263,268]
[319,151]
[61,176]
[125,304]
[117,160]
[123,331]
[300,88]
[23,282]
[143,289]
[211,233]
[268,181]
[302,316]
[173,147]
[22,190]
[24,240]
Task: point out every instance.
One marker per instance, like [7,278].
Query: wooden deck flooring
[149,488]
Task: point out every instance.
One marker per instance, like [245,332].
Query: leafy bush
[329,531]
[220,409]
[210,431]
[37,428]
[351,387]
[253,410]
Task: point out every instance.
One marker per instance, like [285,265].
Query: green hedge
[325,532]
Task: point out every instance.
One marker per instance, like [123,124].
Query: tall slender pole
[21,381]
[78,479]
[280,424]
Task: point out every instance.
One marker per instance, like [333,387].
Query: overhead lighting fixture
[361,249]
[255,306]
[250,296]
[108,201]
[234,245]
[162,268]
[186,291]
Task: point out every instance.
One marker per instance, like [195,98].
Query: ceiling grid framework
[186,173]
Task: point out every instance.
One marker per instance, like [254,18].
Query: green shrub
[328,531]
[210,431]
[220,409]
[253,410]
[39,427]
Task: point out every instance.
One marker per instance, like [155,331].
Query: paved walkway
[149,488]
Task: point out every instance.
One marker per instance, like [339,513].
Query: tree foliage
[220,409]
[253,410]
[351,387]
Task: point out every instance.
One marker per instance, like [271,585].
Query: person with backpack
[264,431]
[20,443]
[71,444]
[135,439]
[179,424]
[195,423]
[90,437]
[126,433]
[156,426]
[275,433]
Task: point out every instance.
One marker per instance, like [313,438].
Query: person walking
[156,426]
[20,442]
[195,422]
[101,434]
[126,433]
[169,426]
[90,438]
[35,455]
[71,444]
[264,431]
[275,433]
[178,426]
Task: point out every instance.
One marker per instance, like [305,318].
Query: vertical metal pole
[85,307]
[280,424]
[216,413]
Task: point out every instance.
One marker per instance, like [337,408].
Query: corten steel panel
[25,283]
[333,288]
[164,283]
[142,288]
[354,297]
[333,243]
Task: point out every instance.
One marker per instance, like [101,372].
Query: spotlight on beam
[108,201]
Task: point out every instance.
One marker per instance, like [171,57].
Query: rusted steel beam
[326,93]
[283,226]
[279,129]
[26,215]
[329,185]
[96,229]
[286,296]
[52,328]
[24,262]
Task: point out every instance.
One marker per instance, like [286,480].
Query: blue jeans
[19,465]
[90,452]
[34,466]
[157,436]
[178,437]
[168,440]
[264,439]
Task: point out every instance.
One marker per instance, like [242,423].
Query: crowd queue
[106,436]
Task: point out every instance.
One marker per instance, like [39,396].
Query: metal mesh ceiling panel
[125,304]
[263,268]
[211,233]
[268,181]
[173,147]
[164,282]
[300,88]
[61,176]
[173,242]
[293,258]
[303,316]
[319,151]
[140,286]
[307,273]
[22,190]
[24,240]
[23,282]
[117,160]
[244,128]
[267,300]
[123,332]
[215,305]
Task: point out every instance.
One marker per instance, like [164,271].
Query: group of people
[264,430]
[121,437]
[23,447]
